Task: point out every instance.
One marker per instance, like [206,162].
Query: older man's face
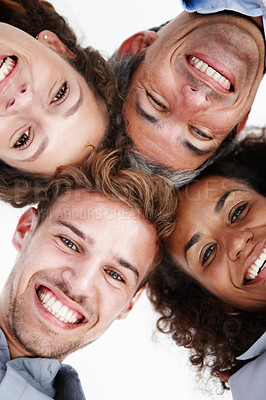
[198,81]
[76,273]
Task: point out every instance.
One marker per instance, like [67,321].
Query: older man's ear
[137,43]
[25,227]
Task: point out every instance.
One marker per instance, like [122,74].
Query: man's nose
[237,242]
[195,99]
[21,99]
[81,277]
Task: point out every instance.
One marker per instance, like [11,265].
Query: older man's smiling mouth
[59,310]
[210,72]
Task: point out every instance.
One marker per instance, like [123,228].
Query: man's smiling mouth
[54,306]
[211,73]
[256,267]
[7,65]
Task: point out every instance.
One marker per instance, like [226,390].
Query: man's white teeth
[212,73]
[6,67]
[257,267]
[55,307]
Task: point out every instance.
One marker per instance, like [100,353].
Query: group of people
[136,178]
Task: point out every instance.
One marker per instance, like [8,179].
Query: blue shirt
[251,8]
[36,378]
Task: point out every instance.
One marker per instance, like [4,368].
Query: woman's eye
[201,134]
[208,253]
[61,94]
[238,212]
[155,102]
[68,243]
[115,275]
[23,141]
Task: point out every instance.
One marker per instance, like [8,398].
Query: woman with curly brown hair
[56,96]
[210,289]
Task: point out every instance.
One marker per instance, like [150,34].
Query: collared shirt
[249,382]
[251,8]
[36,378]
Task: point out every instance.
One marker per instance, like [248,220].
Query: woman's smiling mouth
[7,65]
[258,266]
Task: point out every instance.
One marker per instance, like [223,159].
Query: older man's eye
[198,133]
[69,243]
[156,103]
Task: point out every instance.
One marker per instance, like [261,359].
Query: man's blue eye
[68,243]
[114,275]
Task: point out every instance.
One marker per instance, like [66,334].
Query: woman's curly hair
[194,317]
[33,16]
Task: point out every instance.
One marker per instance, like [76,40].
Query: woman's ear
[50,39]
[25,227]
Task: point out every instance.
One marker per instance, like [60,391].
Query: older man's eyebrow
[73,109]
[193,240]
[196,151]
[77,231]
[220,203]
[129,266]
[38,152]
[144,115]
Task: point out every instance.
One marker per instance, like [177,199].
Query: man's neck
[15,349]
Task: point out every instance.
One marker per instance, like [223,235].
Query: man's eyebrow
[77,232]
[144,115]
[220,203]
[195,150]
[127,265]
[73,109]
[38,152]
[193,240]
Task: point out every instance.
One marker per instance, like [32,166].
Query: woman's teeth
[55,307]
[257,267]
[6,67]
[209,71]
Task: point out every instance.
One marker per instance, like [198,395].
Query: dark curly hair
[33,16]
[193,316]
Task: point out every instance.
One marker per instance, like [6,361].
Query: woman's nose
[21,100]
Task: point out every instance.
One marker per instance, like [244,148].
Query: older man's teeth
[257,267]
[7,65]
[55,307]
[211,72]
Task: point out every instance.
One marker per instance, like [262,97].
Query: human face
[83,263]
[198,81]
[220,240]
[49,116]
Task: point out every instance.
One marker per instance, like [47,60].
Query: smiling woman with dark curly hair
[210,289]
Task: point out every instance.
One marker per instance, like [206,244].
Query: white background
[128,362]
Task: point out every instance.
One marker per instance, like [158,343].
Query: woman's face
[220,240]
[48,114]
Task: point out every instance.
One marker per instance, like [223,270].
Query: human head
[91,244]
[219,238]
[58,95]
[176,114]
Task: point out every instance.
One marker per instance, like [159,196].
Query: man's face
[75,274]
[198,81]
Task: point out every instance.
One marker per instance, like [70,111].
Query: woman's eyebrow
[73,109]
[220,203]
[193,240]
